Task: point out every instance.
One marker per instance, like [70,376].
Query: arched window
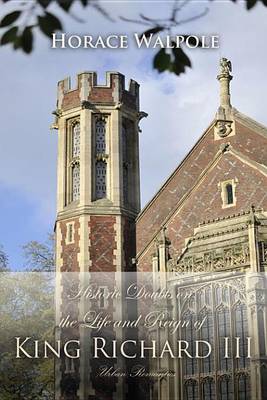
[229,193]
[191,390]
[100,141]
[209,389]
[76,140]
[226,389]
[76,182]
[101,175]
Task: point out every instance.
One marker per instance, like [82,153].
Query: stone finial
[224,78]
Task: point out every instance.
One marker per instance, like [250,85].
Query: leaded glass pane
[100,136]
[226,389]
[101,173]
[190,337]
[191,391]
[243,388]
[76,182]
[207,334]
[76,140]
[223,320]
[242,333]
[209,390]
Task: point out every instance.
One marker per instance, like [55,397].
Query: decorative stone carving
[225,66]
[223,128]
[231,257]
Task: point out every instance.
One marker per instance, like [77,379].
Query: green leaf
[180,61]
[152,31]
[27,40]
[251,3]
[65,4]
[10,18]
[9,36]
[162,61]
[49,23]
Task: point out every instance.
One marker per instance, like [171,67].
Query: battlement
[87,90]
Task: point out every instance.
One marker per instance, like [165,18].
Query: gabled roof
[190,170]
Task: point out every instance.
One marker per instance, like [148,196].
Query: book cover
[133,200]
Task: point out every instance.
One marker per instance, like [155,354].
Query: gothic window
[100,129]
[76,140]
[228,193]
[76,182]
[101,177]
[243,388]
[191,390]
[73,166]
[209,389]
[226,388]
[223,315]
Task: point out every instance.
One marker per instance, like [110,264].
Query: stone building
[202,236]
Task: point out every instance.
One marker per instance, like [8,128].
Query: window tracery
[101,157]
[222,307]
[76,140]
[101,175]
[76,182]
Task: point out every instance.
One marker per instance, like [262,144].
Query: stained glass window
[76,182]
[100,136]
[76,140]
[101,174]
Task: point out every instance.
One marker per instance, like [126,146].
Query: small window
[70,233]
[228,193]
[102,302]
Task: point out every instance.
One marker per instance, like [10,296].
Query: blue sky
[179,108]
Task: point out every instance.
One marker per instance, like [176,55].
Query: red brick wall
[102,243]
[70,251]
[246,141]
[205,203]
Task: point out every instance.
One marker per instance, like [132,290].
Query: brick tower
[98,195]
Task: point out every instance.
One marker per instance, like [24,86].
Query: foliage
[40,256]
[26,309]
[3,260]
[28,17]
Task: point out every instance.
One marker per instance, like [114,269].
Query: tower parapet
[113,93]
